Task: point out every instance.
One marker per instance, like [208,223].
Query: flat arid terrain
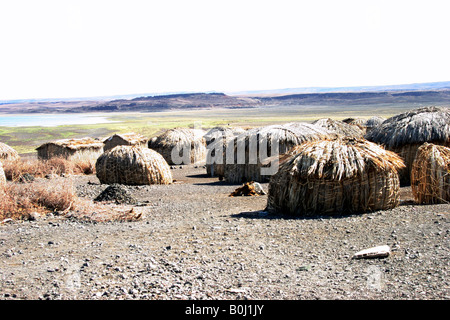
[193,241]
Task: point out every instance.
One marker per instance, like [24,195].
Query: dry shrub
[19,201]
[84,167]
[16,168]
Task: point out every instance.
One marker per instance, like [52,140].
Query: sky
[57,49]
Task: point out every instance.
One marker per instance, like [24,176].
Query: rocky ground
[193,241]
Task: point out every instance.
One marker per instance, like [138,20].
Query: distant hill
[361,98]
[400,87]
[174,101]
[437,93]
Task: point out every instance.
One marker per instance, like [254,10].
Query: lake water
[50,120]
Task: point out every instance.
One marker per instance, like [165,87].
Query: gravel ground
[196,242]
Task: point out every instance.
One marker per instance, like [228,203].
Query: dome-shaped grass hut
[8,153]
[373,122]
[340,128]
[180,146]
[126,139]
[247,164]
[406,132]
[132,165]
[217,140]
[430,174]
[335,176]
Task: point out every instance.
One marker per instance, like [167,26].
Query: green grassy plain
[26,139]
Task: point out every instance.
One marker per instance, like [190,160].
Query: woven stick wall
[132,165]
[430,174]
[335,176]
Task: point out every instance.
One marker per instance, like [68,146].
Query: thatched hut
[124,139]
[71,149]
[248,159]
[373,122]
[430,174]
[132,165]
[180,146]
[358,122]
[406,132]
[335,176]
[8,153]
[217,140]
[340,128]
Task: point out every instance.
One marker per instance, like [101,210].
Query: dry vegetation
[17,168]
[23,201]
[24,198]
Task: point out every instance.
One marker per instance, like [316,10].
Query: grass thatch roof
[75,144]
[131,137]
[7,153]
[340,127]
[430,174]
[374,122]
[335,176]
[132,165]
[180,138]
[220,131]
[430,124]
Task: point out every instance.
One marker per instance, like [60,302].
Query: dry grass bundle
[179,141]
[128,139]
[217,140]
[430,174]
[335,176]
[132,165]
[248,189]
[7,153]
[340,127]
[406,132]
[248,168]
[71,149]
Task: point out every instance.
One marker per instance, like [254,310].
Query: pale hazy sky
[53,49]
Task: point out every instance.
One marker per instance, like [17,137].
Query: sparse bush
[16,168]
[18,201]
[85,167]
[24,201]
